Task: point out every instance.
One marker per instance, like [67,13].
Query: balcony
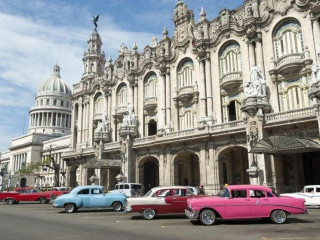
[150,104]
[188,94]
[290,64]
[120,111]
[97,116]
[231,80]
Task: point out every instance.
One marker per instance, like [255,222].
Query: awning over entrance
[99,163]
[284,145]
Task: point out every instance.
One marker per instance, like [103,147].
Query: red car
[26,194]
[160,200]
[58,191]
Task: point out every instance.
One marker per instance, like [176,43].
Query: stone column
[162,101]
[316,34]
[209,90]
[135,98]
[140,112]
[259,54]
[168,100]
[79,122]
[252,61]
[202,91]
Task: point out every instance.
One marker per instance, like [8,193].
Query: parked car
[160,200]
[90,197]
[26,194]
[58,191]
[244,201]
[310,193]
[130,189]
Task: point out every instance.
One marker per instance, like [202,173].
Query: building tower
[52,112]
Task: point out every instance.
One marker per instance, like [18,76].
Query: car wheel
[10,201]
[117,206]
[70,208]
[207,217]
[42,200]
[278,216]
[149,214]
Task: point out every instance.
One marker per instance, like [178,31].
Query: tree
[47,162]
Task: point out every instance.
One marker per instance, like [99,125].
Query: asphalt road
[34,221]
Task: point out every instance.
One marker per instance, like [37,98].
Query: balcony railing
[303,112]
[289,58]
[231,76]
[227,125]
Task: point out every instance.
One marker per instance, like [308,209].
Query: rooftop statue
[95,20]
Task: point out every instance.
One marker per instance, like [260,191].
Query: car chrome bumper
[191,213]
[128,209]
[55,205]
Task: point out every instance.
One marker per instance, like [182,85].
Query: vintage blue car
[90,197]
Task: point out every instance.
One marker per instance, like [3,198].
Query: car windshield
[276,194]
[148,194]
[223,193]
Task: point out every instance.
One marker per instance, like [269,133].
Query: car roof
[235,187]
[312,186]
[168,187]
[87,186]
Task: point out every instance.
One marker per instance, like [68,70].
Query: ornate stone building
[234,99]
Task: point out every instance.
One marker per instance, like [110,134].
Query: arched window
[293,94]
[185,73]
[230,59]
[288,39]
[48,102]
[150,86]
[187,120]
[55,102]
[61,103]
[122,96]
[98,103]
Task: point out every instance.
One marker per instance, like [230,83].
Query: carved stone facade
[203,98]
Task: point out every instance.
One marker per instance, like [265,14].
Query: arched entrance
[73,175]
[149,173]
[233,165]
[186,169]
[23,182]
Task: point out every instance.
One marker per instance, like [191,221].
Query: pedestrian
[202,191]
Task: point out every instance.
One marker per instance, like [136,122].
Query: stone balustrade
[297,113]
[289,58]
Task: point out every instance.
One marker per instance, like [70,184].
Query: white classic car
[310,193]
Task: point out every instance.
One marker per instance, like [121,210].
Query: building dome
[52,111]
[54,85]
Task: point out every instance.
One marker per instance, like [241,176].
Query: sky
[37,34]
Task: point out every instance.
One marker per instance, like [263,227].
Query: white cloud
[29,48]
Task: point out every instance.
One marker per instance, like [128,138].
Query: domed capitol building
[234,99]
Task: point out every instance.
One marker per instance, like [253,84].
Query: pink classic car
[244,201]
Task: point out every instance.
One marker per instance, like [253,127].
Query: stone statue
[95,20]
[130,109]
[258,81]
[99,128]
[154,41]
[125,120]
[248,89]
[315,68]
[105,123]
